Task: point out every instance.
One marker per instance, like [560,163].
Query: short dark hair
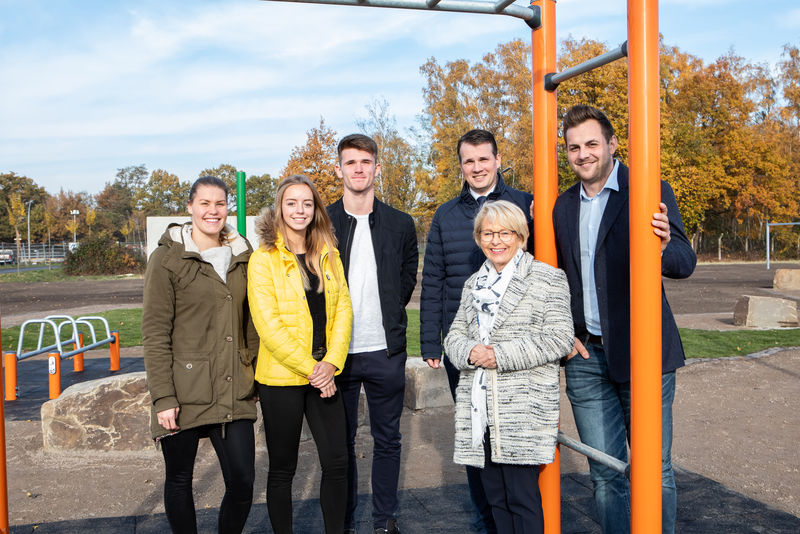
[581,113]
[359,142]
[207,180]
[474,138]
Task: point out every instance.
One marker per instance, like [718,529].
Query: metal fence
[42,252]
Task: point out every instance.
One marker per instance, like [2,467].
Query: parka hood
[181,234]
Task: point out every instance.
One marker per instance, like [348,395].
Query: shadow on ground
[704,506]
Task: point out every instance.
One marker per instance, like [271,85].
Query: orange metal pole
[10,365]
[54,374]
[77,360]
[114,350]
[645,262]
[3,470]
[545,191]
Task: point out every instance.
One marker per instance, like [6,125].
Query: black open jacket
[394,241]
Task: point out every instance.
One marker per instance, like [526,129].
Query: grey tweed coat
[532,331]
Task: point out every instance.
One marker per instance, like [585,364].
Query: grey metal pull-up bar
[552,79]
[530,14]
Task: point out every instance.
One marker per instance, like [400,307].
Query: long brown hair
[318,233]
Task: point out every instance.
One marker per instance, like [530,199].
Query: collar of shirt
[476,196]
[611,183]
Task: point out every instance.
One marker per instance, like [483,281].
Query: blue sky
[90,86]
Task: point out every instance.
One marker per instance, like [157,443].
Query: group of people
[294,326]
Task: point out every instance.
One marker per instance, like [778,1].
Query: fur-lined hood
[269,236]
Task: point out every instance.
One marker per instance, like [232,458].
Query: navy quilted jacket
[451,256]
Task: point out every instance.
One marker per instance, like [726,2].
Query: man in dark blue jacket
[451,256]
[592,238]
[378,246]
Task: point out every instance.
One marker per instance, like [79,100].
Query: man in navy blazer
[592,238]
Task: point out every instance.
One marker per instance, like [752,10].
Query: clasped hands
[322,378]
[483,356]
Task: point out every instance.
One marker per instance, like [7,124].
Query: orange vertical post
[3,470]
[114,350]
[10,364]
[545,191]
[54,374]
[645,262]
[77,360]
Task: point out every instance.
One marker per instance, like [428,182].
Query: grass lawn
[128,322]
[56,274]
[698,343]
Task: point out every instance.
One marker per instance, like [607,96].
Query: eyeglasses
[506,236]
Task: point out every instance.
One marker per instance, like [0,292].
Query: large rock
[107,414]
[426,387]
[765,312]
[786,279]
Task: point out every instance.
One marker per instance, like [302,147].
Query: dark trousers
[513,493]
[283,408]
[484,521]
[384,380]
[236,454]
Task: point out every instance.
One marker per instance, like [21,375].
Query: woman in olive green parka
[199,351]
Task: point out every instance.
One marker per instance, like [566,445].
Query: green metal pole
[241,211]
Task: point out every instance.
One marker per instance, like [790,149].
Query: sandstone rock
[765,312]
[107,414]
[786,279]
[426,387]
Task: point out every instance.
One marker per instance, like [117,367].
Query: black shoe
[349,531]
[391,528]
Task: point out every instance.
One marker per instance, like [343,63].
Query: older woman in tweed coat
[512,328]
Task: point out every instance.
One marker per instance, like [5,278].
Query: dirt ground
[737,421]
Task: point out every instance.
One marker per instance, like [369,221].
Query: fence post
[114,350]
[10,364]
[54,374]
[77,360]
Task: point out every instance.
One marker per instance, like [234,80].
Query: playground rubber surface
[737,426]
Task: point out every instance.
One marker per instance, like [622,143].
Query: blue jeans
[602,410]
[384,380]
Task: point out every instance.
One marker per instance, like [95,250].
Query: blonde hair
[319,232]
[506,214]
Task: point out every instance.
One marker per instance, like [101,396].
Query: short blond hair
[504,213]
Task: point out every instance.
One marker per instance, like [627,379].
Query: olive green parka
[199,341]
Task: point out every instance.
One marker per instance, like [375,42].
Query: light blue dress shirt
[592,209]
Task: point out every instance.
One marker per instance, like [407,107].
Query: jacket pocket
[246,380]
[192,377]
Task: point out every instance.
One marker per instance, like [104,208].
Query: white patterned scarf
[490,286]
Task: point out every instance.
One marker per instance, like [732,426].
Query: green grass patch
[697,343]
[128,322]
[412,333]
[56,274]
[716,344]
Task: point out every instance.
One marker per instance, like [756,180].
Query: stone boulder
[786,279]
[108,414]
[765,312]
[426,387]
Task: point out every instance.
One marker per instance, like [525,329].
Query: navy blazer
[612,273]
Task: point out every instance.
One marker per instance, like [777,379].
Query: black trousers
[283,408]
[236,454]
[513,494]
[384,380]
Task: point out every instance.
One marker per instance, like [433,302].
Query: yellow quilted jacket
[281,316]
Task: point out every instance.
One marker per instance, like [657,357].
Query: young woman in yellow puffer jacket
[301,308]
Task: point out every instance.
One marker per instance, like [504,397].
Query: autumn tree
[16,213]
[260,192]
[227,173]
[164,194]
[15,184]
[317,160]
[493,94]
[117,202]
